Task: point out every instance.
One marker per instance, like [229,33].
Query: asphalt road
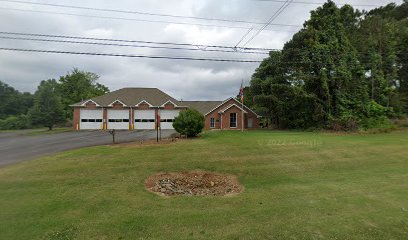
[21,146]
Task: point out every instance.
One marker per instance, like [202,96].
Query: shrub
[376,118]
[345,123]
[401,123]
[189,122]
[15,122]
[378,125]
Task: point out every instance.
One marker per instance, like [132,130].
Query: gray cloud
[188,80]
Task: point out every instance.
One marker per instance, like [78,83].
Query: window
[91,120]
[233,120]
[166,120]
[119,120]
[212,123]
[144,120]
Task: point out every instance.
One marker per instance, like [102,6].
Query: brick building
[140,108]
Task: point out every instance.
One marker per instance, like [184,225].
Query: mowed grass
[297,186]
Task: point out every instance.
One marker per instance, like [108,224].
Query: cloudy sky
[188,80]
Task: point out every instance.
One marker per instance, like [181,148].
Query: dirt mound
[197,183]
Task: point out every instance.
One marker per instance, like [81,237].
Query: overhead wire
[134,41]
[274,16]
[131,55]
[146,20]
[321,3]
[136,12]
[250,30]
[131,45]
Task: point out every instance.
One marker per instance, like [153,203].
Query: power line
[243,37]
[144,20]
[129,45]
[284,6]
[130,55]
[134,41]
[271,19]
[137,12]
[321,3]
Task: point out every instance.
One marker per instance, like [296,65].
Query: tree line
[344,70]
[49,105]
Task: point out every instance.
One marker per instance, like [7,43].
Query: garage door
[144,119]
[167,118]
[91,119]
[118,119]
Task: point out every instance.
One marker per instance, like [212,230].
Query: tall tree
[77,86]
[402,63]
[321,66]
[48,109]
[13,102]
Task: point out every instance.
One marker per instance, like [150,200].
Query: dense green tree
[402,63]
[340,68]
[189,122]
[79,85]
[22,121]
[71,88]
[48,109]
[321,66]
[13,102]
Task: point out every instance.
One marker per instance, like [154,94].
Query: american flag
[241,91]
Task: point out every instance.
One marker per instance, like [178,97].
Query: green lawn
[297,186]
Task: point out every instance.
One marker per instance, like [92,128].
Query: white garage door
[118,119]
[144,119]
[167,118]
[91,119]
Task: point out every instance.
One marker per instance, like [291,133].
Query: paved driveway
[20,146]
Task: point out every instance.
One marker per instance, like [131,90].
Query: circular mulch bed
[198,183]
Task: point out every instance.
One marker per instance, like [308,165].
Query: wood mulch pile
[198,183]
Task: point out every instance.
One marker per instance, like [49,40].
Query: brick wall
[117,106]
[224,119]
[143,106]
[75,119]
[169,106]
[217,120]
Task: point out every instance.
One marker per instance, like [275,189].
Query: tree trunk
[50,128]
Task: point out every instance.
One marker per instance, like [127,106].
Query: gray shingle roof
[133,96]
[154,96]
[202,106]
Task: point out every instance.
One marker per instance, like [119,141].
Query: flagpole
[242,106]
[242,115]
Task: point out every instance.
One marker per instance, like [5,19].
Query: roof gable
[90,100]
[169,101]
[144,102]
[202,106]
[230,106]
[117,101]
[236,102]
